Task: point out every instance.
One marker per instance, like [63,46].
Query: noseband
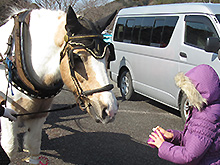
[70,46]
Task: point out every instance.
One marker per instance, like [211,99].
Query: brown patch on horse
[1,99]
[84,72]
[24,105]
[61,31]
[48,79]
[85,76]
[65,73]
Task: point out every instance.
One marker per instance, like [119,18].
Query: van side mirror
[212,44]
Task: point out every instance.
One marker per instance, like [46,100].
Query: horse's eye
[83,57]
[74,57]
[78,58]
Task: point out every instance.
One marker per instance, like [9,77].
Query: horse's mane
[12,11]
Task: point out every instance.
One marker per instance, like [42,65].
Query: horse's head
[83,66]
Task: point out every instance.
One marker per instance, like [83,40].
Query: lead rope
[8,62]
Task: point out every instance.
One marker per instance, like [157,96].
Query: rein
[51,110]
[85,93]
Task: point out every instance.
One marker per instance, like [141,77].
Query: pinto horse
[42,49]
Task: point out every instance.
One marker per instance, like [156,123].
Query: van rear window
[150,31]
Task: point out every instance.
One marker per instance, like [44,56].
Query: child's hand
[166,134]
[157,139]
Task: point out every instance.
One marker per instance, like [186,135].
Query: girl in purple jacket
[199,142]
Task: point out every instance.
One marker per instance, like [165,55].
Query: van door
[192,52]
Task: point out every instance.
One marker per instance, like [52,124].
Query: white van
[153,43]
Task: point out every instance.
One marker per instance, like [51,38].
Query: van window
[157,32]
[169,26]
[119,30]
[150,31]
[198,29]
[146,30]
[136,30]
[128,30]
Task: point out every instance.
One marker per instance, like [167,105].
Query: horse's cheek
[65,73]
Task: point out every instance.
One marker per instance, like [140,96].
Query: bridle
[70,46]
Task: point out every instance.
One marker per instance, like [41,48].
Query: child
[199,142]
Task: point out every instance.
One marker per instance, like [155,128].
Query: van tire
[125,85]
[184,110]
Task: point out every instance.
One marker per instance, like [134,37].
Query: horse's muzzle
[104,119]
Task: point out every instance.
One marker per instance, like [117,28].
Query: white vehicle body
[154,43]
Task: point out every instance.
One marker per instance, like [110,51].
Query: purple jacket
[199,142]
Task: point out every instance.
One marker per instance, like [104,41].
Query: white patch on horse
[5,32]
[43,45]
[99,68]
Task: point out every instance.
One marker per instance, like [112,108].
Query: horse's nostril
[104,114]
[97,120]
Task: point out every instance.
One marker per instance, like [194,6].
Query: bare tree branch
[55,4]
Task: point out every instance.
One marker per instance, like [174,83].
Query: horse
[41,51]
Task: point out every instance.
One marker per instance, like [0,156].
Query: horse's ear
[104,22]
[72,23]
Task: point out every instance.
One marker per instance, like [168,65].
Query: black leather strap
[2,110]
[40,90]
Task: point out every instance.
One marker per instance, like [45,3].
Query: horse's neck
[45,42]
[44,51]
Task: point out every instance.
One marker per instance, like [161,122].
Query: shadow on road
[94,148]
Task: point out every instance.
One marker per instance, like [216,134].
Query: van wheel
[125,84]
[184,107]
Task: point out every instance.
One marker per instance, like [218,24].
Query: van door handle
[183,55]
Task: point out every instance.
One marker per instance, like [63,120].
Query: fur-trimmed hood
[201,85]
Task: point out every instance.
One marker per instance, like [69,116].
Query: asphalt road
[72,137]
